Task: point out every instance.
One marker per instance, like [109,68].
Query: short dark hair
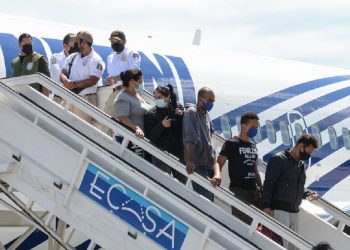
[67,37]
[307,140]
[202,91]
[130,74]
[246,117]
[323,245]
[22,36]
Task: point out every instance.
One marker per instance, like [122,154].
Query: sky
[313,31]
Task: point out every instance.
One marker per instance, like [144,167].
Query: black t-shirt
[242,157]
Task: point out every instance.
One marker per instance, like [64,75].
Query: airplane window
[226,126]
[333,139]
[346,138]
[238,122]
[258,136]
[285,133]
[315,130]
[298,130]
[271,132]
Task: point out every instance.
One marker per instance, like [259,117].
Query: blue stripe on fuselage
[323,125]
[312,106]
[269,101]
[55,45]
[33,240]
[10,51]
[188,91]
[329,180]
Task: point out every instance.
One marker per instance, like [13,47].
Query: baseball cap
[118,34]
[85,35]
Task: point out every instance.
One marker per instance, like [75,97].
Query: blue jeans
[205,172]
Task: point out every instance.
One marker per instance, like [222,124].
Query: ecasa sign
[134,209]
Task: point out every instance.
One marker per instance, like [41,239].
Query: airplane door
[297,127]
[226,126]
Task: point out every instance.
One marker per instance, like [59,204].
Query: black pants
[133,147]
[250,196]
[161,165]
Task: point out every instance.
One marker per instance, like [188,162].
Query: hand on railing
[139,133]
[312,196]
[267,211]
[190,167]
[216,180]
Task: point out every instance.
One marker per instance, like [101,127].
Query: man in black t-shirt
[242,156]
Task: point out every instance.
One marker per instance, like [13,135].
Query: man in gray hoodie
[200,155]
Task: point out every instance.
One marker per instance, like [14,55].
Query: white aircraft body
[291,98]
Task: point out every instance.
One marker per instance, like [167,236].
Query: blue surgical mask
[252,132]
[139,89]
[208,106]
[160,103]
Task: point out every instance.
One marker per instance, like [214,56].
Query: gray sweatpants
[290,220]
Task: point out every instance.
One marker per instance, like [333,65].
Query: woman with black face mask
[29,62]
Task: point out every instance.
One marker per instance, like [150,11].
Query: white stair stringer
[41,111]
[101,143]
[26,214]
[48,168]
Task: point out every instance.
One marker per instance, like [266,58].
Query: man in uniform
[119,61]
[58,60]
[29,62]
[242,156]
[82,71]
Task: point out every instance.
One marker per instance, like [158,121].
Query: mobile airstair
[100,189]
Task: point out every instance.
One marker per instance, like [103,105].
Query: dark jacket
[284,183]
[168,139]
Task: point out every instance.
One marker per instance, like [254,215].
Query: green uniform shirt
[30,64]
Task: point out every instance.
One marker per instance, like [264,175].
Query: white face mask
[160,103]
[139,89]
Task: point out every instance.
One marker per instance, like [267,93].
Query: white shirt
[117,63]
[84,67]
[57,62]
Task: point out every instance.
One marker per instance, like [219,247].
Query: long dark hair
[168,90]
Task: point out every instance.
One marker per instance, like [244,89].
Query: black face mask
[117,47]
[304,156]
[74,49]
[27,49]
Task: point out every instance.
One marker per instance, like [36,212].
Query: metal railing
[223,195]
